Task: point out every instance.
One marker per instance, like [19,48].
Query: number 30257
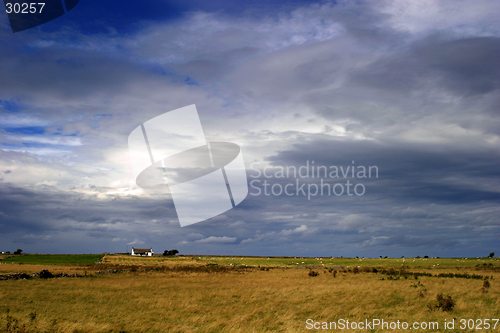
[24,8]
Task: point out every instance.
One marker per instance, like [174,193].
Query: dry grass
[196,298]
[16,268]
[411,263]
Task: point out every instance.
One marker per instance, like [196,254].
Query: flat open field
[234,294]
[298,261]
[52,259]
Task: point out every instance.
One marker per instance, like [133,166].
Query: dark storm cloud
[408,172]
[66,74]
[412,241]
[48,208]
[37,215]
[363,22]
[465,66]
[426,198]
[330,225]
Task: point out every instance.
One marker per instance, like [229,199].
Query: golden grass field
[218,294]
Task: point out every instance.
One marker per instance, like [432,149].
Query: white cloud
[194,236]
[278,236]
[237,224]
[48,140]
[37,237]
[135,242]
[478,18]
[215,240]
[22,120]
[209,36]
[303,228]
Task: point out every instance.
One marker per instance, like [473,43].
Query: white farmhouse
[142,252]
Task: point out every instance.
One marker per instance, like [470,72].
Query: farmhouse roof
[142,250]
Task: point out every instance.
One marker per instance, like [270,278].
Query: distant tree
[170,253]
[426,257]
[492,254]
[418,257]
[19,251]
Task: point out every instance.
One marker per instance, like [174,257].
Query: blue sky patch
[26,130]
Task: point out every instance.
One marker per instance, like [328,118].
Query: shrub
[45,274]
[313,273]
[355,270]
[486,286]
[334,273]
[445,303]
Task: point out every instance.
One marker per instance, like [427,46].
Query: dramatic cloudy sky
[411,87]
